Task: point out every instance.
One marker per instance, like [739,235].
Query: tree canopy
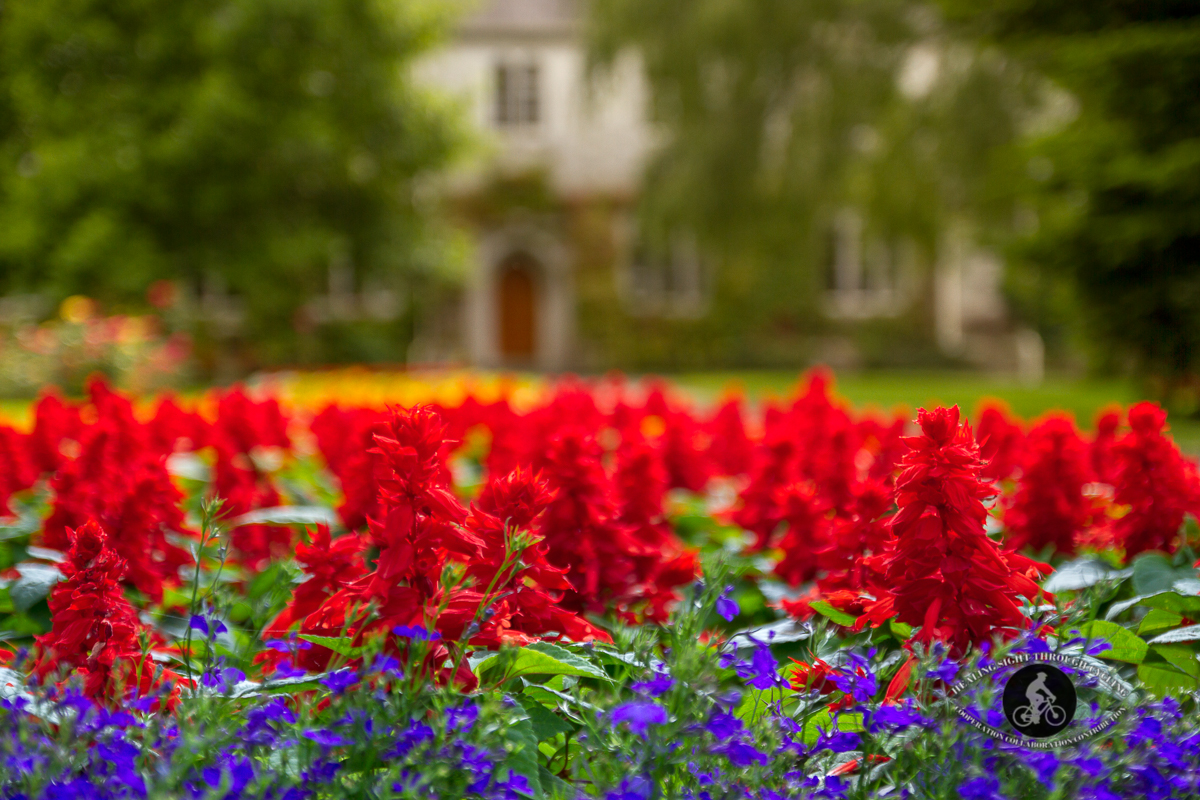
[243,143]
[1119,208]
[776,114]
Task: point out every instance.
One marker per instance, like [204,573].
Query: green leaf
[338,644]
[1153,573]
[523,755]
[1186,604]
[1169,669]
[546,724]
[1082,573]
[1181,657]
[1124,645]
[823,721]
[756,703]
[1158,620]
[567,657]
[840,617]
[35,583]
[6,603]
[901,630]
[540,658]
[1190,633]
[288,515]
[554,787]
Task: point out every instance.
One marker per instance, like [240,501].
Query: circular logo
[1039,700]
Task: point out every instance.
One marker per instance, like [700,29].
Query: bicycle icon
[1025,716]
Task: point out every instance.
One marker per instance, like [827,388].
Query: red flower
[857,541]
[1103,465]
[730,448]
[331,566]
[346,439]
[1000,440]
[523,597]
[174,428]
[122,484]
[1049,507]
[421,528]
[943,573]
[808,530]
[54,423]
[662,562]
[1154,480]
[17,470]
[95,632]
[814,676]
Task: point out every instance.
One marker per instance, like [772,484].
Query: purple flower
[946,671]
[385,664]
[895,718]
[635,788]
[723,726]
[338,682]
[657,686]
[416,633]
[841,742]
[285,670]
[325,737]
[462,717]
[1045,764]
[760,672]
[741,754]
[1092,767]
[726,607]
[222,678]
[985,787]
[1033,645]
[203,625]
[640,715]
[517,786]
[861,687]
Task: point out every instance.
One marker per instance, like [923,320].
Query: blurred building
[549,196]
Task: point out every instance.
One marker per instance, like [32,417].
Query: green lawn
[909,390]
[912,390]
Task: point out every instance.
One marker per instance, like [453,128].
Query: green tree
[243,143]
[776,114]
[1119,200]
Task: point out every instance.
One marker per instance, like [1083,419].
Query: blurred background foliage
[237,149]
[258,154]
[1118,190]
[1063,133]
[777,115]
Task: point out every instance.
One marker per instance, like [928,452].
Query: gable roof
[505,18]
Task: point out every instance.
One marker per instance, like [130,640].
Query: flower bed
[591,591]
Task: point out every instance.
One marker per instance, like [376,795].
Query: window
[664,280]
[862,276]
[517,101]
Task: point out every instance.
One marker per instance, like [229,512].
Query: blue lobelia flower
[208,628]
[723,726]
[416,633]
[727,608]
[985,787]
[325,737]
[639,715]
[657,686]
[340,681]
[741,754]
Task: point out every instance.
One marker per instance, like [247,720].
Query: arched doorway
[517,305]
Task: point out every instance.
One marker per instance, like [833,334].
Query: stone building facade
[548,194]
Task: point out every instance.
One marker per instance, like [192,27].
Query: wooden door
[518,308]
